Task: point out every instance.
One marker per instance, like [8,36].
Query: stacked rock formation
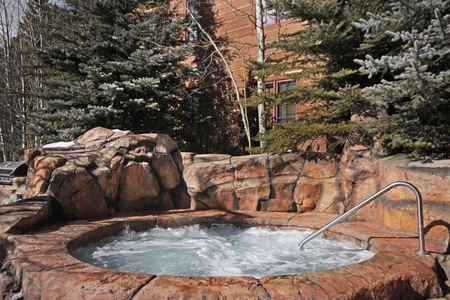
[265,182]
[107,171]
[301,182]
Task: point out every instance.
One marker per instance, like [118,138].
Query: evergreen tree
[117,64]
[325,51]
[414,78]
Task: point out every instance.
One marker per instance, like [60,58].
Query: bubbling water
[219,251]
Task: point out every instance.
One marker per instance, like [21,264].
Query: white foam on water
[220,251]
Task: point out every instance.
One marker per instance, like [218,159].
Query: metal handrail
[374,196]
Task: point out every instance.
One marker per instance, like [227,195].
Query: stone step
[25,215]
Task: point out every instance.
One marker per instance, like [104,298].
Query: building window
[286,112]
[270,15]
[192,30]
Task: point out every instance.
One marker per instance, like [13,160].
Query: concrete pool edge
[41,262]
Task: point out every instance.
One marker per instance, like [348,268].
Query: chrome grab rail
[374,196]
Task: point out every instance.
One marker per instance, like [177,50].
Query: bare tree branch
[242,107]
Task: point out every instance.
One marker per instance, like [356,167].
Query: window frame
[277,109]
[271,14]
[192,30]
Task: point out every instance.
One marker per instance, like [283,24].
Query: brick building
[232,22]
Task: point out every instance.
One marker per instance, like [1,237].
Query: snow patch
[59,145]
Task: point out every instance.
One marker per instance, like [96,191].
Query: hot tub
[43,265]
[219,249]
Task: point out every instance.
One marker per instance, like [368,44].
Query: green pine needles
[414,79]
[116,64]
[378,71]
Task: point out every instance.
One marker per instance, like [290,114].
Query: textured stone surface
[12,193]
[38,265]
[429,178]
[325,184]
[25,215]
[174,287]
[107,171]
[383,277]
[138,188]
[257,182]
[205,175]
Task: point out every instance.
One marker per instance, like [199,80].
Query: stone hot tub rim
[49,271]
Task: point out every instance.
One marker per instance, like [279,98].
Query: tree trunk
[260,82]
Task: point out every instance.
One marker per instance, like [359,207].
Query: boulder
[204,175]
[78,194]
[106,171]
[138,188]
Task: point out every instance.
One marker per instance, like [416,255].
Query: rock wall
[107,171]
[316,182]
[289,182]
